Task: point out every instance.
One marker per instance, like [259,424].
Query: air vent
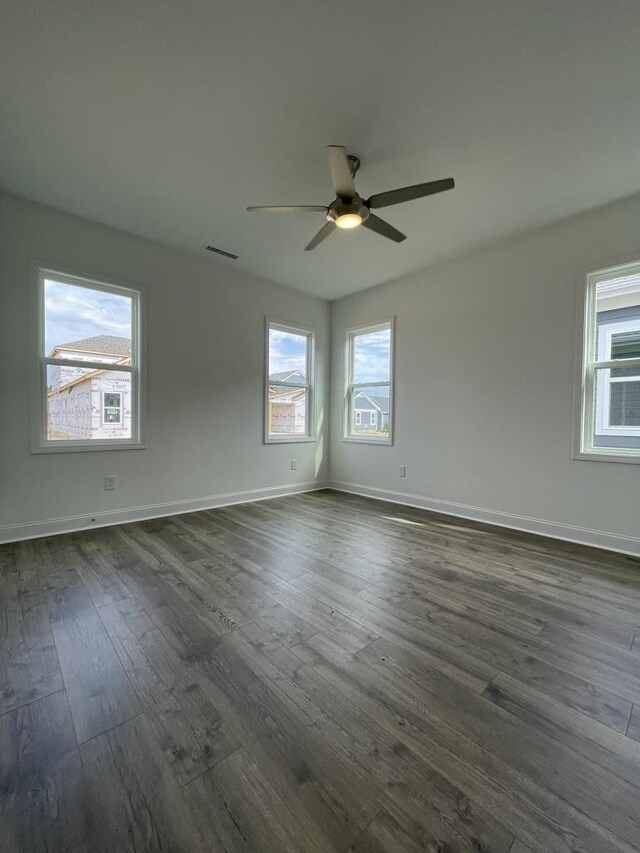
[222,252]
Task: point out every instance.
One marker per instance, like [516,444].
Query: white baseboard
[542,527]
[71,523]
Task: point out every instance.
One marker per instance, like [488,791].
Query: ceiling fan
[349,210]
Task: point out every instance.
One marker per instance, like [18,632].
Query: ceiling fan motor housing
[340,207]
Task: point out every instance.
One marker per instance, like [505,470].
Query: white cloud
[73,313]
[372,356]
[286,351]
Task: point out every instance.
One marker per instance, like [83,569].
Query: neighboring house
[617,421]
[291,377]
[287,405]
[87,403]
[370,414]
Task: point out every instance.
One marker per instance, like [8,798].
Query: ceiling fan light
[349,220]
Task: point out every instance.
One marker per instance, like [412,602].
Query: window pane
[616,412]
[369,412]
[618,319]
[372,356]
[83,323]
[87,404]
[111,407]
[624,409]
[625,345]
[287,357]
[287,413]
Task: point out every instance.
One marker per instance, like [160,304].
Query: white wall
[485,375]
[485,369]
[204,347]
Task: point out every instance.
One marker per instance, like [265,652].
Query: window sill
[607,455]
[86,447]
[376,441]
[291,439]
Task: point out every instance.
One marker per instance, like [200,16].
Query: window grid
[42,441]
[353,388]
[111,407]
[271,437]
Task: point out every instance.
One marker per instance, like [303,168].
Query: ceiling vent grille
[222,252]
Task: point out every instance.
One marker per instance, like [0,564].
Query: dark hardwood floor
[318,673]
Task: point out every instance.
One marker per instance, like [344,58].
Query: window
[289,384]
[610,416]
[111,407]
[369,387]
[88,365]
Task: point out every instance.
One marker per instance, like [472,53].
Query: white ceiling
[167,119]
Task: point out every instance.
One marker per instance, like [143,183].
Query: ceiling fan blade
[289,208]
[409,193]
[327,228]
[374,223]
[340,170]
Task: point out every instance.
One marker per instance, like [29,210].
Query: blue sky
[371,358]
[73,313]
[286,351]
[371,355]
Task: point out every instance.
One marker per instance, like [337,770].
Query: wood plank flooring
[318,673]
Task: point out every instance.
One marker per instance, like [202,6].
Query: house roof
[291,377]
[104,344]
[379,403]
[294,376]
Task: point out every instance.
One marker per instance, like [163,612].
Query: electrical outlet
[110,483]
[402,471]
[294,464]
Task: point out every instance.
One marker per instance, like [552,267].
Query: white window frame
[357,417]
[595,376]
[40,442]
[104,407]
[372,419]
[351,387]
[309,435]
